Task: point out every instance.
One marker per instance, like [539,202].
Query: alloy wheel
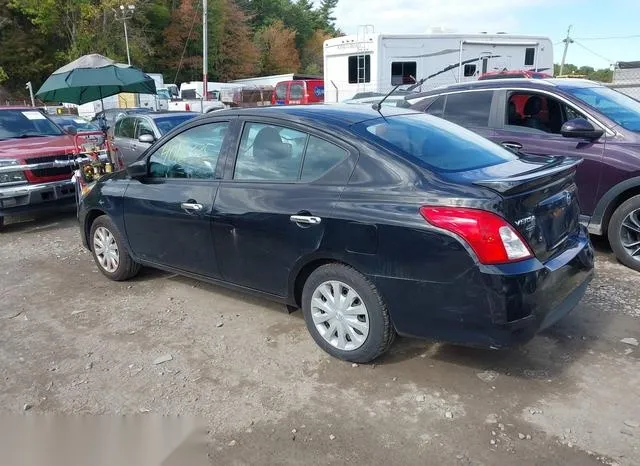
[630,234]
[340,315]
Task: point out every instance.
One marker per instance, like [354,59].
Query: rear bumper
[36,197]
[492,307]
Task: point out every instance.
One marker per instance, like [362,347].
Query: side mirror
[137,169]
[581,129]
[70,130]
[147,138]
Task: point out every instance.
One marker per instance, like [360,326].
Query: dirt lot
[72,342]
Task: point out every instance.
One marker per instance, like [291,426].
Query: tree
[277,49]
[327,8]
[232,53]
[3,75]
[311,54]
[604,75]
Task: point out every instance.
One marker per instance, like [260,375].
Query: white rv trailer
[373,62]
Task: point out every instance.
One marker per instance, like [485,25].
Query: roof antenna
[378,105]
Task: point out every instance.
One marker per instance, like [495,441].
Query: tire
[104,231]
[624,233]
[365,306]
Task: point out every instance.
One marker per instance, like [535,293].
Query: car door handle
[512,145]
[306,219]
[192,206]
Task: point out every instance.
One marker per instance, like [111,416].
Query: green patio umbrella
[93,77]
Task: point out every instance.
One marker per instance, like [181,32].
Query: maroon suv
[29,144]
[562,117]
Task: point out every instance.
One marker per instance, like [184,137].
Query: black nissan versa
[373,222]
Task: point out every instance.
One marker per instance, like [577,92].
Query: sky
[592,20]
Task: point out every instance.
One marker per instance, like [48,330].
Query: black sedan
[374,223]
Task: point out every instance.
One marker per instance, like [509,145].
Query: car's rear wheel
[109,252]
[624,233]
[345,314]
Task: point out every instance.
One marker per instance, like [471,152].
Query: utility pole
[205,61]
[30,87]
[125,14]
[568,40]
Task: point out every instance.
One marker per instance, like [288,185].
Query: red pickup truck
[30,179]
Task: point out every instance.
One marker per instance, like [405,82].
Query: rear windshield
[434,143]
[26,124]
[166,124]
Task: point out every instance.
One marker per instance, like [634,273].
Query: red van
[299,92]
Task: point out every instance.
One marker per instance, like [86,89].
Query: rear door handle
[512,145]
[306,219]
[192,206]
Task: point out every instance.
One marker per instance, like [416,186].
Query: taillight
[490,236]
[187,107]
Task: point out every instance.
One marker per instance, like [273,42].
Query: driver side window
[191,154]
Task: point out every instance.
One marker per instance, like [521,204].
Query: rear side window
[469,108]
[269,153]
[437,107]
[434,143]
[320,157]
[296,91]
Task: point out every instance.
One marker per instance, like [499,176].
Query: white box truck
[370,62]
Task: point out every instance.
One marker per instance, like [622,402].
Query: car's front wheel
[624,232]
[345,314]
[109,252]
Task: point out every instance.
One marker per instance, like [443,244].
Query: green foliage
[3,75]
[165,36]
[604,75]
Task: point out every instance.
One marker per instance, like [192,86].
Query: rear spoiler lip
[528,180]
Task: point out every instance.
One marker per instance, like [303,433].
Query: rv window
[529,56]
[403,72]
[359,69]
[469,108]
[469,70]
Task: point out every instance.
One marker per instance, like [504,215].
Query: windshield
[616,106]
[166,124]
[26,124]
[78,123]
[434,143]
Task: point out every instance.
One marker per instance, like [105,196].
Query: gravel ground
[74,343]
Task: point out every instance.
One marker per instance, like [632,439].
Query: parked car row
[383,220]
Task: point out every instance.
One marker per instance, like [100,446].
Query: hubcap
[106,249]
[630,234]
[340,315]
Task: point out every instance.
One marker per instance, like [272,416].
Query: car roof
[333,114]
[154,115]
[561,83]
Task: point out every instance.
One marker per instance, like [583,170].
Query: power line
[594,53]
[633,36]
[186,42]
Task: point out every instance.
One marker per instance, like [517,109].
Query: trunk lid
[539,198]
